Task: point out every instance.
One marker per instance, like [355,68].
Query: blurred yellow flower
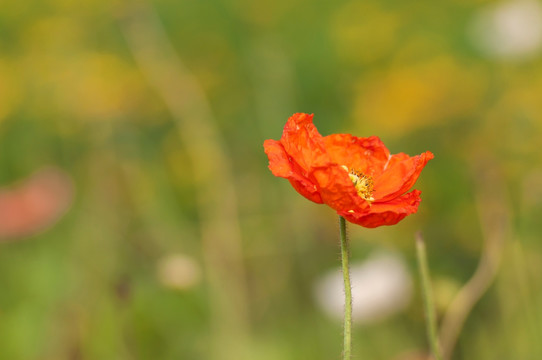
[100,86]
[410,96]
[69,79]
[10,91]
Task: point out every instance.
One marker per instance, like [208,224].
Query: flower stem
[347,291]
[427,298]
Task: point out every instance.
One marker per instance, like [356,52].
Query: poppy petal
[388,213]
[281,165]
[303,142]
[399,175]
[337,189]
[367,155]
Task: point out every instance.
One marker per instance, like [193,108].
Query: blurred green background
[164,235]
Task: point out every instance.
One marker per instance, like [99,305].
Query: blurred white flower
[381,286]
[178,271]
[509,30]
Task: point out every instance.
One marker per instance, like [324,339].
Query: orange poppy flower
[358,177]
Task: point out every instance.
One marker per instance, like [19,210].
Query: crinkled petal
[337,190]
[399,175]
[279,164]
[307,189]
[282,165]
[367,155]
[303,142]
[388,213]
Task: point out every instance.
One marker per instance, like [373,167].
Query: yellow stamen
[362,183]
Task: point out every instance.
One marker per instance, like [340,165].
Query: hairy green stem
[347,351]
[427,295]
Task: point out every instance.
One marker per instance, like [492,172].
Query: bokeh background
[138,219]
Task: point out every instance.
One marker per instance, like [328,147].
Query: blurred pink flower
[35,204]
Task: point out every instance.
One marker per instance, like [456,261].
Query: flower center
[363,184]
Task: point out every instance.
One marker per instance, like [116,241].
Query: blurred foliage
[73,95]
